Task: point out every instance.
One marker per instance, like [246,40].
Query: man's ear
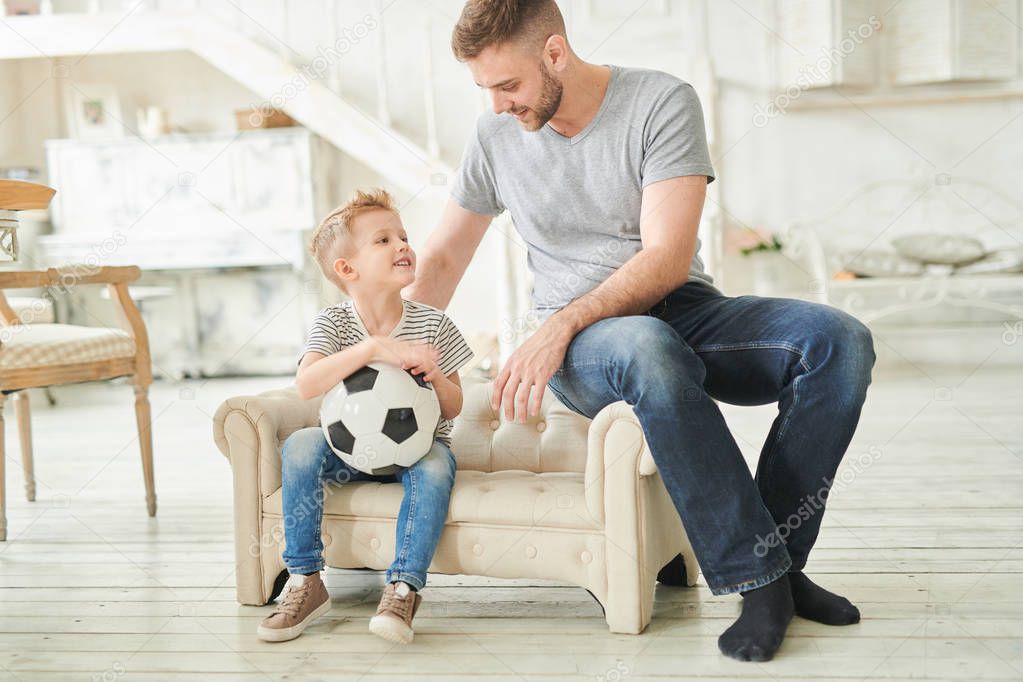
[344,270]
[556,52]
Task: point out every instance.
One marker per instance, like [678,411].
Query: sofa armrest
[617,454]
[249,431]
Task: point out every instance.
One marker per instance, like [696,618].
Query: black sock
[815,603]
[760,629]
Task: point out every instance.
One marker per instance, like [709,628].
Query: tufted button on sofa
[559,497]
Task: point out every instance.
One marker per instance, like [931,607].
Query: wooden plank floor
[925,538]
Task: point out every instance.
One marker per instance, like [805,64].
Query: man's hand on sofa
[528,370]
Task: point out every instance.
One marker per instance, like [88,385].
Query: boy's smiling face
[379,254]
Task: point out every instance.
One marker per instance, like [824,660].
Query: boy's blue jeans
[697,345]
[308,462]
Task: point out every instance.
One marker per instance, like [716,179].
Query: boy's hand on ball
[430,370]
[404,354]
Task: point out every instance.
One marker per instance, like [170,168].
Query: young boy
[362,248]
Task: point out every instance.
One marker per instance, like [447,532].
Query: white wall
[9,119]
[796,166]
[805,161]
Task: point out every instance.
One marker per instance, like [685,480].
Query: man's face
[380,254]
[519,84]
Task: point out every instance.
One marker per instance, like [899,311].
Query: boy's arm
[318,373]
[449,393]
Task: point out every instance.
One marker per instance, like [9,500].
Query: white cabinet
[221,219]
[949,40]
[826,42]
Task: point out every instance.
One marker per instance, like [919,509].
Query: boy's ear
[344,270]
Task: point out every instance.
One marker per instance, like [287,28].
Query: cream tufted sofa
[557,498]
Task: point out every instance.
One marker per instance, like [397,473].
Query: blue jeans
[698,345]
[308,462]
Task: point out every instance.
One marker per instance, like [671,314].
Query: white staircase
[269,73]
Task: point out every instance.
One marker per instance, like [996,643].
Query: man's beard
[550,100]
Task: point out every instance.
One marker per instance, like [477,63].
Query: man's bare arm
[669,221]
[446,255]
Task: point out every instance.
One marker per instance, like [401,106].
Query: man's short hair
[334,232]
[489,22]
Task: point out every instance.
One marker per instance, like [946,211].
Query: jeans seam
[400,557]
[578,365]
[319,520]
[780,345]
[788,413]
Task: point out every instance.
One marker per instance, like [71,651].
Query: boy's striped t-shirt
[339,326]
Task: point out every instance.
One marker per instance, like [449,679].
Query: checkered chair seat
[42,345]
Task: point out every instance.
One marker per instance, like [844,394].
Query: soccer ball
[380,418]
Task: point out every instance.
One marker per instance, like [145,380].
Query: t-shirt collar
[397,327]
[596,117]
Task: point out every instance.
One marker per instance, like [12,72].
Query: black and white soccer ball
[380,418]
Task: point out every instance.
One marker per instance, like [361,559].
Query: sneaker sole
[391,629]
[285,634]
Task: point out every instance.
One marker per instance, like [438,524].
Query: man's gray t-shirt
[576,200]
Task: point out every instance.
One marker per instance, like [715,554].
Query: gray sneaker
[397,608]
[304,599]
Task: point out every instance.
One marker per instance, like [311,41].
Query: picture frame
[15,8]
[93,112]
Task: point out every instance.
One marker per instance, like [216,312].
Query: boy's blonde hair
[332,236]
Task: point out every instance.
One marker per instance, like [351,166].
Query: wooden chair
[42,355]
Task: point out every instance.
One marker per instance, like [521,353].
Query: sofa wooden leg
[23,412]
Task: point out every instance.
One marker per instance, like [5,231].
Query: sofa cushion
[515,498]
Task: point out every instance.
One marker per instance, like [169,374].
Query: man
[604,170]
